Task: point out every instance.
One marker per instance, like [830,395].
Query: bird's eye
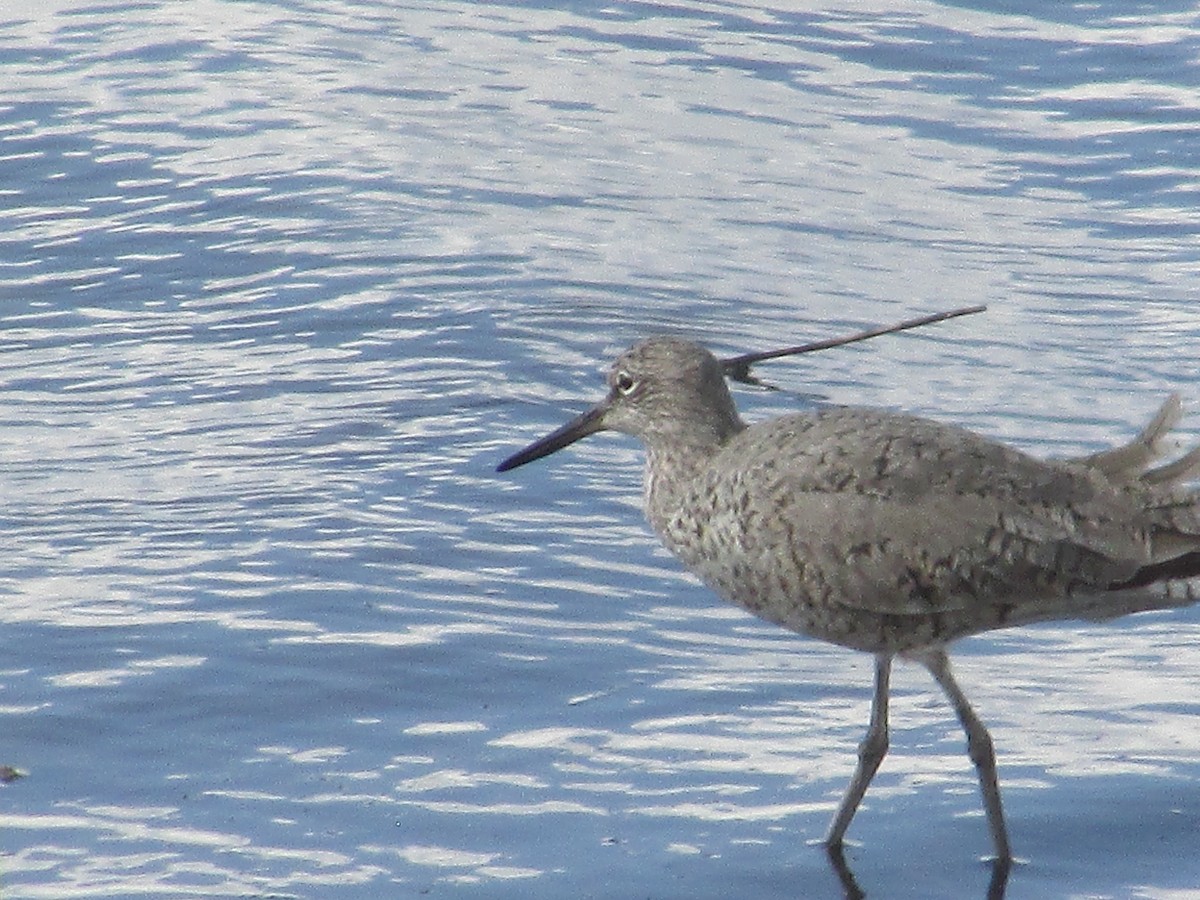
[624,383]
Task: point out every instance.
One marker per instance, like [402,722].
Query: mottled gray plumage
[893,534]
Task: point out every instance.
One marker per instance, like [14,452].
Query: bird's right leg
[871,752]
[979,749]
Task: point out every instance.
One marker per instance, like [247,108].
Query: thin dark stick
[737,368]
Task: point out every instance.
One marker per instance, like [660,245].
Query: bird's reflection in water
[837,859]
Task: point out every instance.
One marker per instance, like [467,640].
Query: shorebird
[893,534]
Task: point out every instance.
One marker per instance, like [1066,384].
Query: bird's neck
[675,470]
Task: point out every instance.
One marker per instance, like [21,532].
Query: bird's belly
[817,613]
[792,592]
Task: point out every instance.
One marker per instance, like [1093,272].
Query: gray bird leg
[871,752]
[979,748]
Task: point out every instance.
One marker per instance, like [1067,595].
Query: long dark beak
[580,427]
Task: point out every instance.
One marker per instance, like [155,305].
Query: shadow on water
[841,868]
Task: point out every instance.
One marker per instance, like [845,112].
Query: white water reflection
[280,284]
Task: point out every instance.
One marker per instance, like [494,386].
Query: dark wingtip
[1178,568]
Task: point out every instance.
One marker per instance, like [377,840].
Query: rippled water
[281,282]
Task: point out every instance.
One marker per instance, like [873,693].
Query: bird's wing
[904,516]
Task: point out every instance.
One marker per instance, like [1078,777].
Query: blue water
[280,283]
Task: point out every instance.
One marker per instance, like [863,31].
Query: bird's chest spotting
[734,542]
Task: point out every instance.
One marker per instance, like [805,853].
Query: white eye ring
[625,383]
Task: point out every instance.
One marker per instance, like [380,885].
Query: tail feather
[1131,461]
[1173,577]
[1186,468]
[1101,606]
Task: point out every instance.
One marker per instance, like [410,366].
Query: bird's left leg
[871,752]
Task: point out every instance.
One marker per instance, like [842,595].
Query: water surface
[281,282]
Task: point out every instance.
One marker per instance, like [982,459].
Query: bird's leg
[979,748]
[871,752]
